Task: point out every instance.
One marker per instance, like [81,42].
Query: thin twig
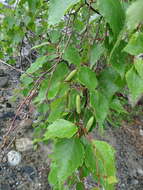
[28,59]
[13,68]
[3,62]
[98,30]
[94,10]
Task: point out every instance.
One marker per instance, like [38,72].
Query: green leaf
[57,108]
[85,171]
[56,79]
[117,106]
[113,13]
[119,59]
[106,166]
[135,45]
[88,78]
[139,67]
[37,64]
[40,45]
[100,159]
[96,51]
[134,14]
[68,155]
[26,80]
[61,128]
[55,35]
[57,9]
[42,92]
[52,177]
[72,56]
[72,99]
[90,159]
[108,81]
[135,85]
[80,186]
[112,179]
[100,105]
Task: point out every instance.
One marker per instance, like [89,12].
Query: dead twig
[10,66]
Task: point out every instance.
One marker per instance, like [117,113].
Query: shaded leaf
[118,59]
[100,105]
[57,108]
[135,85]
[96,51]
[72,56]
[109,81]
[56,79]
[42,92]
[80,186]
[88,78]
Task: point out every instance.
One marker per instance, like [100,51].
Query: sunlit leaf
[100,159]
[61,128]
[135,45]
[139,66]
[58,8]
[68,155]
[37,64]
[113,13]
[134,14]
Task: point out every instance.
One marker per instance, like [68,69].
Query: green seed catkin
[89,123]
[78,109]
[71,75]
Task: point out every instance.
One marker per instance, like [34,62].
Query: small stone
[3,81]
[29,171]
[140,172]
[14,158]
[4,159]
[26,123]
[24,144]
[141,132]
[134,182]
[133,172]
